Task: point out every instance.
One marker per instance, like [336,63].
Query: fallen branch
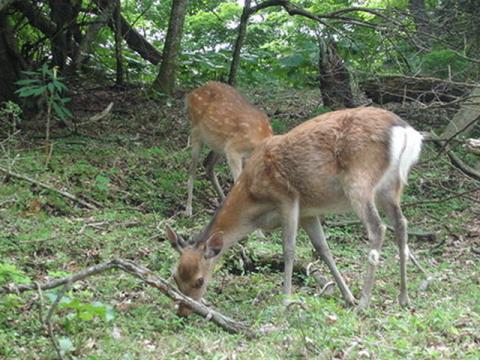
[459,164]
[48,187]
[48,320]
[148,278]
[97,116]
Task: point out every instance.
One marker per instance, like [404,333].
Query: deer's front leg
[290,214]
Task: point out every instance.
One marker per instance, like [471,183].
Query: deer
[225,121]
[353,159]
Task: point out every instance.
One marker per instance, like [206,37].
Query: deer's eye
[198,283]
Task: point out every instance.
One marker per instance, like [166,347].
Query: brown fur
[228,124]
[329,164]
[222,118]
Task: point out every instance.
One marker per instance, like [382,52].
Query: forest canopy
[288,43]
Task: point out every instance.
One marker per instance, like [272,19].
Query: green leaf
[27,81]
[61,112]
[31,91]
[59,85]
[67,112]
[32,73]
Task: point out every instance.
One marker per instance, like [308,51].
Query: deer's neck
[234,219]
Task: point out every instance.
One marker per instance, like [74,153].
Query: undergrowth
[140,183]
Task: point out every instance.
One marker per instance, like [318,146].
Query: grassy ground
[134,164]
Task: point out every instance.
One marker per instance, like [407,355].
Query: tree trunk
[35,17]
[466,117]
[242,31]
[165,81]
[118,43]
[134,40]
[417,8]
[83,48]
[61,14]
[334,77]
[10,61]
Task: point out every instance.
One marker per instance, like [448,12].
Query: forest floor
[134,164]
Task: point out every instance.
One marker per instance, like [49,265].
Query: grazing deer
[228,124]
[349,159]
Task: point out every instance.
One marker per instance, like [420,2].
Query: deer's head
[195,264]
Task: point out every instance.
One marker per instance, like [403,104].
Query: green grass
[141,186]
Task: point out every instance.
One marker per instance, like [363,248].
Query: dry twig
[148,278]
[48,187]
[48,319]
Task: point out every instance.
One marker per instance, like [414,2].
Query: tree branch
[135,41]
[36,17]
[148,278]
[293,9]
[91,33]
[48,187]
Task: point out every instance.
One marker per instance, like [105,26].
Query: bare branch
[49,187]
[148,278]
[48,319]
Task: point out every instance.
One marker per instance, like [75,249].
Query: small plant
[45,85]
[10,113]
[10,273]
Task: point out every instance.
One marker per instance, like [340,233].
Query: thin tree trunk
[242,31]
[134,40]
[118,43]
[334,77]
[60,12]
[10,61]
[89,37]
[417,8]
[165,81]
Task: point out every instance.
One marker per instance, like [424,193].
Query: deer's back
[319,158]
[222,117]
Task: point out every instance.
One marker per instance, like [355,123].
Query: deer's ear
[176,240]
[213,245]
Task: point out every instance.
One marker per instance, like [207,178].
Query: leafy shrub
[437,63]
[46,84]
[10,273]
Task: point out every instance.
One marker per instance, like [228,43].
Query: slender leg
[196,149]
[376,232]
[314,229]
[234,161]
[290,214]
[394,213]
[210,162]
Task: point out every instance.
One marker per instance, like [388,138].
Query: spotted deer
[226,122]
[356,159]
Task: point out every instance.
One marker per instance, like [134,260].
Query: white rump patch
[374,257]
[407,251]
[405,146]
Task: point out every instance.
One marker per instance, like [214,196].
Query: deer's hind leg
[362,200]
[211,160]
[389,199]
[313,227]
